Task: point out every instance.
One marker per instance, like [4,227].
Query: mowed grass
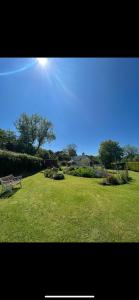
[71,210]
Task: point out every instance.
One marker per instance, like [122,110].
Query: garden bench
[8,182]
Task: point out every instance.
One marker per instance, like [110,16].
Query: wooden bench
[8,182]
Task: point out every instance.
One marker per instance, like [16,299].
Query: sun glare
[43,61]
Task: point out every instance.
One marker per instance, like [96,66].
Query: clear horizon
[88,100]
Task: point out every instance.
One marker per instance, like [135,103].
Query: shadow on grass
[8,194]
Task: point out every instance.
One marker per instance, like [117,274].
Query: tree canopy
[130,152]
[70,150]
[34,130]
[110,151]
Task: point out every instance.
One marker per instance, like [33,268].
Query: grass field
[71,210]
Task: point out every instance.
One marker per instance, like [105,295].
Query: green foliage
[8,140]
[58,176]
[17,163]
[62,156]
[94,160]
[133,166]
[63,163]
[48,173]
[119,166]
[110,151]
[130,152]
[85,172]
[121,177]
[45,154]
[34,129]
[53,173]
[71,150]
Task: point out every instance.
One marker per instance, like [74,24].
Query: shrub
[80,171]
[133,166]
[53,174]
[17,163]
[100,172]
[71,168]
[48,173]
[58,176]
[88,172]
[124,177]
[63,163]
[111,179]
[115,179]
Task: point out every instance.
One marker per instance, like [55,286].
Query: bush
[80,171]
[17,163]
[115,179]
[124,177]
[133,166]
[100,172]
[71,168]
[53,174]
[58,176]
[111,179]
[63,163]
[48,173]
[88,172]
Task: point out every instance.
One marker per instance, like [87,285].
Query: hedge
[133,166]
[18,163]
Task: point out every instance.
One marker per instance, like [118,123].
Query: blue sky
[88,100]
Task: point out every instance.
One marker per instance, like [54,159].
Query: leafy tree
[110,151]
[130,152]
[62,156]
[8,140]
[34,130]
[94,159]
[2,138]
[71,150]
[45,154]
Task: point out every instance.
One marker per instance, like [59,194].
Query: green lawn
[71,210]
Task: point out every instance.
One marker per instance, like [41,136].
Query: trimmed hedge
[18,163]
[133,166]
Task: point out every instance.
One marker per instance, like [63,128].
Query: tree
[2,138]
[130,152]
[62,156]
[34,130]
[71,150]
[94,159]
[46,154]
[110,151]
[8,140]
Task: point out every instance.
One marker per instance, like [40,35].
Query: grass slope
[71,210]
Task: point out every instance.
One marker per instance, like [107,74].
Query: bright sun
[42,60]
